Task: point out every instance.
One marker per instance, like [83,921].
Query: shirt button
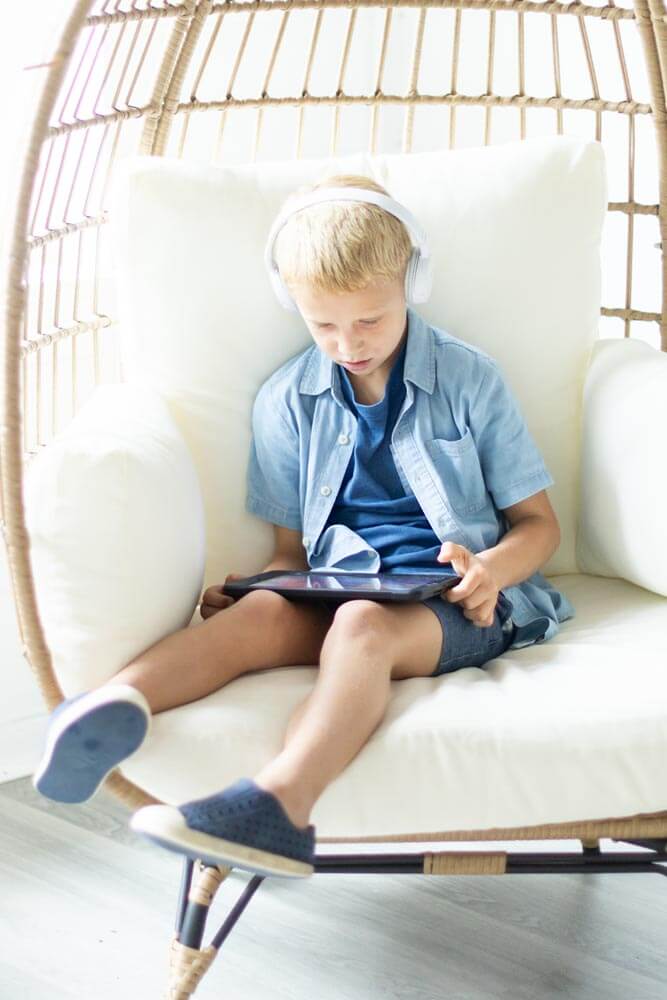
[325,491]
[343,439]
[306,541]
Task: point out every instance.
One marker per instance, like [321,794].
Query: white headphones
[419,272]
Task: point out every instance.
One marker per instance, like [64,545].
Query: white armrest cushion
[623,499]
[117,534]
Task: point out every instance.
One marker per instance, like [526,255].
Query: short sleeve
[512,464]
[272,482]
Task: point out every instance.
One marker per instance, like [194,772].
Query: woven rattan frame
[45,179]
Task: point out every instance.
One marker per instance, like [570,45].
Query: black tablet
[338,587]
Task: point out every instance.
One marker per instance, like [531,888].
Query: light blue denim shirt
[460,443]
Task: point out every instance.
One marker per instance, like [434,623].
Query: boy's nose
[352,354]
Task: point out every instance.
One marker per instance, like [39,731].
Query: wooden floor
[87,911]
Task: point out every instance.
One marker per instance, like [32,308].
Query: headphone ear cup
[410,273]
[422,280]
[280,289]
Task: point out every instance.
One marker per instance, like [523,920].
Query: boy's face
[367,325]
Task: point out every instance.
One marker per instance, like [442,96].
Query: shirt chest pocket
[459,469]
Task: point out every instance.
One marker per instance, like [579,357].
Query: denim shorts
[466,644]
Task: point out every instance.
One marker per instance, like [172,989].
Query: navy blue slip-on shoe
[88,736]
[244,826]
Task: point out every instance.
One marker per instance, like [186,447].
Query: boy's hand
[213,599]
[477,590]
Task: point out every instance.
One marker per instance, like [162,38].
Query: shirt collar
[419,366]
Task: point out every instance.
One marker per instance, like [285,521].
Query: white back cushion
[515,233]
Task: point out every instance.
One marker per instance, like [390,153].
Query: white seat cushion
[571,729]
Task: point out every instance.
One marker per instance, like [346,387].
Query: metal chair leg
[188,961]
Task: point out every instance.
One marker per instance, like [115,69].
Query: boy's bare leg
[260,630]
[366,646]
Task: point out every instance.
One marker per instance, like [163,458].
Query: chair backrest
[515,235]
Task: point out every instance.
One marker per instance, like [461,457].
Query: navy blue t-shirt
[372,500]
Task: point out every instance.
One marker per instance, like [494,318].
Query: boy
[386,445]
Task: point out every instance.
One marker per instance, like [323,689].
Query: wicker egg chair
[127,79]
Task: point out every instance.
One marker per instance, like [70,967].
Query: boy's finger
[214,598]
[206,610]
[219,600]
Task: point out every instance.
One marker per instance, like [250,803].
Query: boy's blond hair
[341,246]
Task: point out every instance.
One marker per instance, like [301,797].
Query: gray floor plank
[87,909]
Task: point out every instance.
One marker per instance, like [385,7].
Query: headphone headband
[348,194]
[418,276]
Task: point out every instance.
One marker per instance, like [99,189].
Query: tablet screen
[355,581]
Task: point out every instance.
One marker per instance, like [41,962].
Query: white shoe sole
[83,746]
[166,825]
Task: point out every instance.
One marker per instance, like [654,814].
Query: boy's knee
[362,618]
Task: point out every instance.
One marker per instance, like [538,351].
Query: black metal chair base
[195,900]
